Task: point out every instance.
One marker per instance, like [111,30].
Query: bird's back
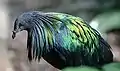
[77,43]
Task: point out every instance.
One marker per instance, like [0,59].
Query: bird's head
[23,22]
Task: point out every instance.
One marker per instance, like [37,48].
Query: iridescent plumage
[63,40]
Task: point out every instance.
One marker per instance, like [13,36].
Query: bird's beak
[16,31]
[13,34]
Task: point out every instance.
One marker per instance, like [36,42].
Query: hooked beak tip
[14,34]
[16,31]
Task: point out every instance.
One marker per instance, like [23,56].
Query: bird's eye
[28,21]
[20,24]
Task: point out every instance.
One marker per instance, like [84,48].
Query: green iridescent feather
[80,34]
[64,40]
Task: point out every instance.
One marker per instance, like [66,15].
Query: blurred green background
[89,10]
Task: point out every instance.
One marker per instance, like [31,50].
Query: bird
[63,40]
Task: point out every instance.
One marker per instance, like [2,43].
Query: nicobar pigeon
[62,40]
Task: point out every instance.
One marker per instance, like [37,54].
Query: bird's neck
[40,39]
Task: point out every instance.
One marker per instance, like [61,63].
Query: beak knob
[14,34]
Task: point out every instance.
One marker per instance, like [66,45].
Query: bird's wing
[78,36]
[78,33]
